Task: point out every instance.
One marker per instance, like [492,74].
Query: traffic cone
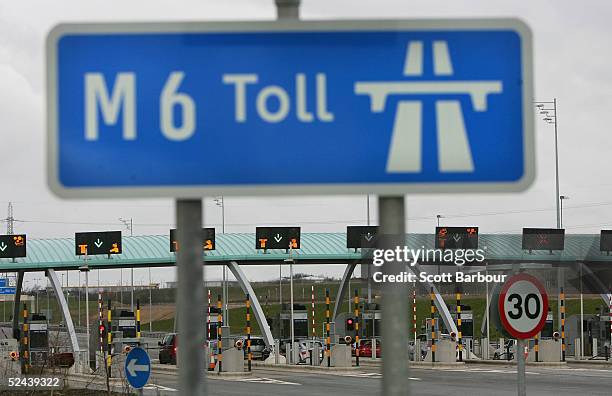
[211,364]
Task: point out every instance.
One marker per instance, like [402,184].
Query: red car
[167,349]
[365,349]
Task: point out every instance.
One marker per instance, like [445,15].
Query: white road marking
[261,380]
[159,387]
[371,375]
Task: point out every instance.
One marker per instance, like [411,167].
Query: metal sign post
[523,306]
[394,297]
[190,291]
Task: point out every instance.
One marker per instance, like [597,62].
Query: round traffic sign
[137,367]
[523,306]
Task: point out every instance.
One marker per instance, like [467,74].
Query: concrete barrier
[341,356]
[445,352]
[233,360]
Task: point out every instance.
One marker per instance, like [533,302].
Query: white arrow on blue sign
[137,367]
[197,109]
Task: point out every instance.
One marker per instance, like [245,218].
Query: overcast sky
[572,63]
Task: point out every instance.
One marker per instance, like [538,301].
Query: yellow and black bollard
[219,334]
[25,341]
[248,331]
[433,326]
[356,301]
[459,336]
[327,329]
[138,318]
[562,312]
[109,340]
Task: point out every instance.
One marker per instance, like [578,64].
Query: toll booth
[38,345]
[123,323]
[467,320]
[548,329]
[212,326]
[282,326]
[467,325]
[596,333]
[371,318]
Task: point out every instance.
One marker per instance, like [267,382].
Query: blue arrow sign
[292,108]
[137,367]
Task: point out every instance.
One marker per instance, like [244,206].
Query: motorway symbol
[137,367]
[543,239]
[208,236]
[92,243]
[12,246]
[431,98]
[277,238]
[523,305]
[361,236]
[456,238]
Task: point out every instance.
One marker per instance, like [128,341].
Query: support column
[446,316]
[16,304]
[61,299]
[257,310]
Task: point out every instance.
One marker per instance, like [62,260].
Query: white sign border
[513,24]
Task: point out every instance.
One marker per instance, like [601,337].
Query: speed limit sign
[523,306]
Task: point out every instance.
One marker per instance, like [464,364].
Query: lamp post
[219,201]
[150,303]
[291,261]
[129,224]
[85,268]
[561,199]
[438,217]
[548,111]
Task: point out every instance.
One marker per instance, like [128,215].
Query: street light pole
[545,109]
[220,201]
[129,224]
[150,303]
[85,268]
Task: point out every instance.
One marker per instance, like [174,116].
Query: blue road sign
[3,282]
[137,367]
[7,290]
[197,109]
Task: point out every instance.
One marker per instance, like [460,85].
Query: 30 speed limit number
[523,306]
